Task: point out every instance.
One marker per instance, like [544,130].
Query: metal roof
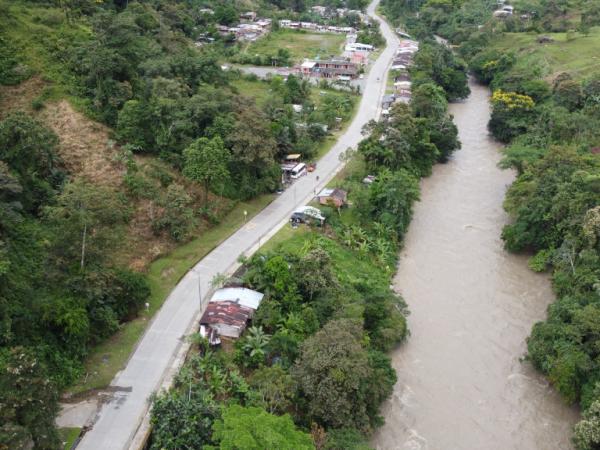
[242,296]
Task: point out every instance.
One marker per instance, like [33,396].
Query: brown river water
[461,382]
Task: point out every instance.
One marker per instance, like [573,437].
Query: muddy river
[461,381]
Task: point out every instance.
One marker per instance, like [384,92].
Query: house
[228,313]
[499,14]
[226,318]
[402,77]
[335,68]
[206,11]
[285,23]
[357,46]
[403,96]
[402,33]
[359,58]
[328,196]
[242,296]
[387,101]
[250,15]
[308,25]
[306,68]
[264,24]
[402,84]
[320,10]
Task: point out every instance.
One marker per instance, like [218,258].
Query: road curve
[119,419]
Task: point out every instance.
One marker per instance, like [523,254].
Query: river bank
[462,384]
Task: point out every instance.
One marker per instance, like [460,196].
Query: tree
[255,344]
[276,388]
[568,93]
[86,220]
[206,162]
[332,371]
[587,430]
[391,198]
[346,439]
[314,273]
[29,402]
[253,149]
[225,14]
[180,421]
[177,217]
[252,428]
[429,101]
[511,114]
[29,150]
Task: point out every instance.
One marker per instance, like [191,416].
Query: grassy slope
[111,356]
[579,56]
[301,44]
[68,436]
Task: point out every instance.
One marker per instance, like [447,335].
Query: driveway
[119,419]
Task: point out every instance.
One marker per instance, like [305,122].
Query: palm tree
[256,342]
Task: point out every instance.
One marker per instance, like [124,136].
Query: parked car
[307,214]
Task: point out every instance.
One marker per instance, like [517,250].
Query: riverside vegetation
[119,140]
[312,371]
[546,108]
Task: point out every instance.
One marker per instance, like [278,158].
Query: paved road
[119,419]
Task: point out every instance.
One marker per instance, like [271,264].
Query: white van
[299,171]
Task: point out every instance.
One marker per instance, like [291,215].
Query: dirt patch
[144,246]
[84,145]
[19,97]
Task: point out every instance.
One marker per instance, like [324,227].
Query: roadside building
[228,313]
[336,197]
[356,57]
[240,295]
[306,68]
[357,46]
[250,15]
[226,319]
[387,101]
[403,96]
[264,24]
[335,68]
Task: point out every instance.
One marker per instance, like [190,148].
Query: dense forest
[546,108]
[172,144]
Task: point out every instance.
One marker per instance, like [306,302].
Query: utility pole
[199,289]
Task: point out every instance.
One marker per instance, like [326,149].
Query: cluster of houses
[228,313]
[311,26]
[250,27]
[402,84]
[328,13]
